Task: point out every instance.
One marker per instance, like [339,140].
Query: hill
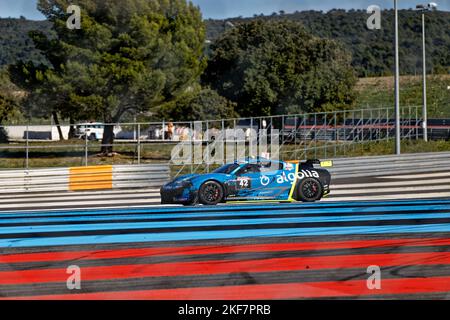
[378,92]
[373,53]
[15,43]
[372,50]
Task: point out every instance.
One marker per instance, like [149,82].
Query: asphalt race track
[406,186]
[233,252]
[128,247]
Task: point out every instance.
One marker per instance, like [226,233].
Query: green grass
[72,153]
[379,92]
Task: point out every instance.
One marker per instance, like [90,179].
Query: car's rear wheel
[211,193]
[309,190]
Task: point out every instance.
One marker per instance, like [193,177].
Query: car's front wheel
[309,190]
[211,193]
[191,203]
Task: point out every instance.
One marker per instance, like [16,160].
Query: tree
[9,99]
[9,96]
[277,67]
[204,104]
[6,107]
[128,56]
[372,51]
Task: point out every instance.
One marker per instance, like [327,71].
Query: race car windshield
[227,169]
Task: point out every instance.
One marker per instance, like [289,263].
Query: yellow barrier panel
[90,178]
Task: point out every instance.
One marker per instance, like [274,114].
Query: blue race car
[252,180]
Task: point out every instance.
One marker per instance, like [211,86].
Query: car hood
[187,177]
[200,177]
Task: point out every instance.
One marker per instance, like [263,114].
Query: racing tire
[211,193]
[309,190]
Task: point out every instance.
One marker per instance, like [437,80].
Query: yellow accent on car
[90,178]
[294,183]
[326,164]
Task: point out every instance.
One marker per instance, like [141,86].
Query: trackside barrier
[84,178]
[391,165]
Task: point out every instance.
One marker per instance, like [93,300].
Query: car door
[248,181]
[260,181]
[275,181]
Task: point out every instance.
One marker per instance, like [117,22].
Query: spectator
[170,130]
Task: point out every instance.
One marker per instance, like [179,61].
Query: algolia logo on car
[291,177]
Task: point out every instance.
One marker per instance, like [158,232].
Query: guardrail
[391,165]
[84,178]
[302,136]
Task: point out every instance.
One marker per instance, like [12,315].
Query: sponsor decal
[244,183]
[308,174]
[289,166]
[285,178]
[300,176]
[265,180]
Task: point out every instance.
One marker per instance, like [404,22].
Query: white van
[92,131]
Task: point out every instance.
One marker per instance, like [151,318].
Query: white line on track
[391,197]
[130,197]
[77,193]
[418,176]
[394,190]
[71,204]
[391,184]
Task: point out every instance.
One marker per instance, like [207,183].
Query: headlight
[182,184]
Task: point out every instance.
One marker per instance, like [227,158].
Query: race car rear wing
[311,163]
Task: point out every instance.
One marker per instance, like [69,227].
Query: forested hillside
[15,43]
[372,50]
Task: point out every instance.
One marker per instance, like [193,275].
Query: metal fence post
[417,124]
[336,135]
[86,150]
[345,132]
[295,137]
[379,125]
[163,130]
[207,143]
[363,130]
[191,145]
[139,143]
[315,136]
[305,136]
[410,123]
[27,149]
[223,142]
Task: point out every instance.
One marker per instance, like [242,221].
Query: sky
[219,9]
